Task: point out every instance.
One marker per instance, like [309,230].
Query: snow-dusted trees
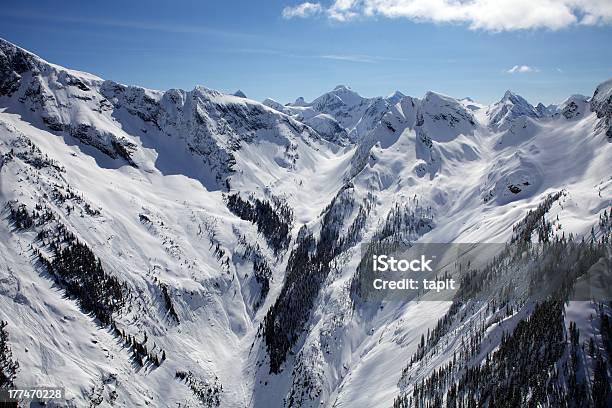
[307,268]
[261,266]
[285,319]
[517,374]
[601,384]
[8,366]
[538,362]
[405,222]
[208,392]
[76,267]
[20,216]
[534,221]
[142,353]
[273,219]
[73,264]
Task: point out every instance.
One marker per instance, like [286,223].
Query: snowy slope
[144,178]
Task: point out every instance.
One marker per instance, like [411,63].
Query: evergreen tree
[8,366]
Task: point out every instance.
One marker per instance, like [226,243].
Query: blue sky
[251,45]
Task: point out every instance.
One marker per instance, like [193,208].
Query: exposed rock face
[574,107]
[601,103]
[14,62]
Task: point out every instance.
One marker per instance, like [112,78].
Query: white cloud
[521,69]
[343,10]
[492,15]
[302,10]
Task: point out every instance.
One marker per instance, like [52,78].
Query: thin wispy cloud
[362,58]
[350,58]
[132,24]
[521,69]
[490,15]
[369,59]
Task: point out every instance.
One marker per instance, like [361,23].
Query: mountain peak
[576,106]
[271,103]
[239,94]
[340,94]
[300,102]
[514,99]
[431,95]
[15,60]
[576,97]
[395,97]
[542,110]
[509,108]
[508,94]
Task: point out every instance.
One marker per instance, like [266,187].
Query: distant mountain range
[194,248]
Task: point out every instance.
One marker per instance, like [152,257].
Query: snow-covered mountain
[199,248]
[574,107]
[510,108]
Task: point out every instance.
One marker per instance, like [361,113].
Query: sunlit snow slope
[228,231]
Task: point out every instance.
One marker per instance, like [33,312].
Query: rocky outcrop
[601,104]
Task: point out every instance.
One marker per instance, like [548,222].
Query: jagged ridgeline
[274,219]
[514,348]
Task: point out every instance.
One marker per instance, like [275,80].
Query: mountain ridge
[235,229]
